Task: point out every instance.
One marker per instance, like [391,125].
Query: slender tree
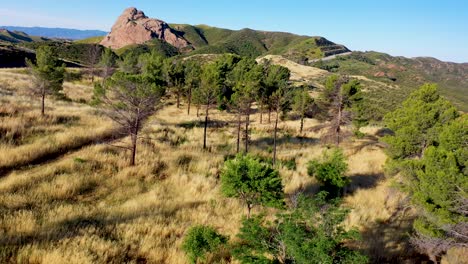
[338,98]
[277,79]
[93,58]
[208,92]
[47,73]
[302,104]
[192,81]
[246,77]
[175,76]
[129,100]
[107,63]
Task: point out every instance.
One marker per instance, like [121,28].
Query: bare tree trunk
[274,138]
[198,110]
[302,123]
[238,130]
[189,101]
[269,115]
[338,129]
[261,112]
[247,121]
[178,98]
[43,104]
[134,146]
[249,209]
[206,126]
[134,137]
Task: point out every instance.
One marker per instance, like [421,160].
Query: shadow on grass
[388,241]
[267,142]
[101,225]
[201,123]
[358,181]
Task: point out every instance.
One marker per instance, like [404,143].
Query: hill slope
[405,73]
[10,37]
[133,27]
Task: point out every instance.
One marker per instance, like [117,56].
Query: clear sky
[436,28]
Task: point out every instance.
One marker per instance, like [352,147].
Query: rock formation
[134,27]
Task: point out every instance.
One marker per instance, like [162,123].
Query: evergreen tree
[303,103]
[251,181]
[310,233]
[175,76]
[416,123]
[192,81]
[208,92]
[246,77]
[129,100]
[107,63]
[47,73]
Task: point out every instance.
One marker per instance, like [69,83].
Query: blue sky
[407,28]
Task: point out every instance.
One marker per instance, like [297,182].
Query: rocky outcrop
[134,27]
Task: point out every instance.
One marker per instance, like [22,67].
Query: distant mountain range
[61,33]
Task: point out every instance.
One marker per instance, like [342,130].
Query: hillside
[133,27]
[62,33]
[68,195]
[405,74]
[249,42]
[10,37]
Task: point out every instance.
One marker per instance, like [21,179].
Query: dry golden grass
[88,206]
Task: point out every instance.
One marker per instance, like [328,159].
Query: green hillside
[12,37]
[406,74]
[91,40]
[248,42]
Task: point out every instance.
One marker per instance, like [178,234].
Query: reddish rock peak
[134,27]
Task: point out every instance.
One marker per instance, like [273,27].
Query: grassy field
[68,196]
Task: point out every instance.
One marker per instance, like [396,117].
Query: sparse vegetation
[68,194]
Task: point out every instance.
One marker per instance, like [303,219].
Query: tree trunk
[134,146]
[134,137]
[206,126]
[189,101]
[269,115]
[249,209]
[338,129]
[198,110]
[178,98]
[247,120]
[43,104]
[261,112]
[238,130]
[302,123]
[274,138]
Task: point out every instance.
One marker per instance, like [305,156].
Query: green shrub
[329,170]
[201,240]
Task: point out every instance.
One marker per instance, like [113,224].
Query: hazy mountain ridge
[62,33]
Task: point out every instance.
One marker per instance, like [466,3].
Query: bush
[329,170]
[310,233]
[201,240]
[252,181]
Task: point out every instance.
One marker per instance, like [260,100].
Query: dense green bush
[329,170]
[430,148]
[312,232]
[252,181]
[201,240]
